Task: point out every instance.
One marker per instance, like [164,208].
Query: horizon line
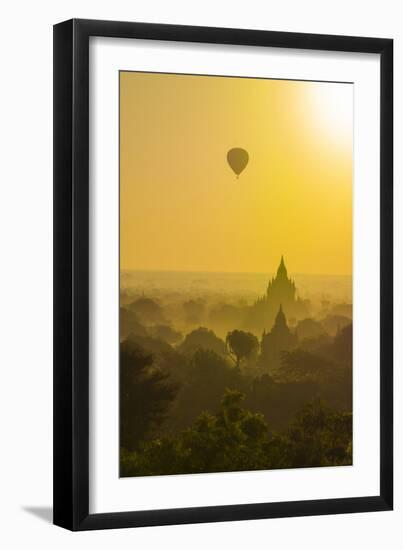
[139,270]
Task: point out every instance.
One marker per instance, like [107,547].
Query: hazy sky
[182,207]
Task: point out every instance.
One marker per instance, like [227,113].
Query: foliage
[241,345]
[130,324]
[230,440]
[150,344]
[145,395]
[203,377]
[319,437]
[342,348]
[174,364]
[319,344]
[186,409]
[147,310]
[333,323]
[166,333]
[202,338]
[236,439]
[303,366]
[309,328]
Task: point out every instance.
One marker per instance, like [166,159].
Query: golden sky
[182,207]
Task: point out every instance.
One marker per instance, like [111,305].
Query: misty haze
[236,315]
[225,373]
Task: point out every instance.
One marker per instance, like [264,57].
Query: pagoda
[281,289]
[275,342]
[281,294]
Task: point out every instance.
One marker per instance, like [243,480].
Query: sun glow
[332,108]
[182,207]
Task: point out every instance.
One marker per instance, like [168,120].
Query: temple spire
[282,270]
[280,318]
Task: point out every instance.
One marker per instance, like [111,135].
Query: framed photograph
[223,320]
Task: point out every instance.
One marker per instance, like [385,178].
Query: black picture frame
[71,274]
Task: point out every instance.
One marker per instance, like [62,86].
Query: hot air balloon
[237,159]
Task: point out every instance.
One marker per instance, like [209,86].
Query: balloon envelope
[238,159]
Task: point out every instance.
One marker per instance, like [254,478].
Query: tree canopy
[202,338]
[236,439]
[241,345]
[145,394]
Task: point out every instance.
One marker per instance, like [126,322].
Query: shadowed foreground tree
[204,379]
[149,344]
[145,395]
[303,366]
[319,437]
[230,440]
[236,439]
[241,345]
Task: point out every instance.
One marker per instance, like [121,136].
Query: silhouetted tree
[303,366]
[175,364]
[236,439]
[204,380]
[129,324]
[166,333]
[319,344]
[343,309]
[150,344]
[230,440]
[202,338]
[343,345]
[334,323]
[147,310]
[309,328]
[319,437]
[145,395]
[241,345]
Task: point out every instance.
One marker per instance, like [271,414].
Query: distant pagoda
[278,340]
[281,290]
[281,294]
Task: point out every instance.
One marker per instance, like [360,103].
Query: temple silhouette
[281,290]
[281,294]
[279,339]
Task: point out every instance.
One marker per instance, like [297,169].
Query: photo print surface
[235,274]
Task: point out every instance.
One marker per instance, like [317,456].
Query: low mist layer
[233,371]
